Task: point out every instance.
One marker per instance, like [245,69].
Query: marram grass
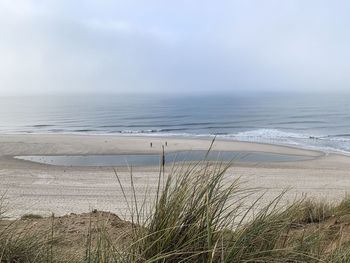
[198,216]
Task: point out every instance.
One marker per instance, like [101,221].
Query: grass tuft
[31,216]
[198,215]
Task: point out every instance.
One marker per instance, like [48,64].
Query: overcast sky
[116,46]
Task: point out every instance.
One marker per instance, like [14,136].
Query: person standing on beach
[151,144]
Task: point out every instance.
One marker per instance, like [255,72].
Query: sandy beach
[31,187]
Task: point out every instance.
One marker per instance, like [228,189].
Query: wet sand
[44,189]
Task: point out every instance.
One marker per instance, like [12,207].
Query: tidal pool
[154,159]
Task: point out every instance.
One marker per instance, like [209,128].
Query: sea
[310,121]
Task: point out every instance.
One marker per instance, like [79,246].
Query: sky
[180,46]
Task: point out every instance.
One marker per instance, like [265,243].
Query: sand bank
[38,188]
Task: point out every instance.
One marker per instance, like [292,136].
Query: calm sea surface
[309,121]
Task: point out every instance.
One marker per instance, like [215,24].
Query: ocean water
[310,121]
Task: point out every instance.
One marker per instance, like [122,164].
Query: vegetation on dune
[31,216]
[196,216]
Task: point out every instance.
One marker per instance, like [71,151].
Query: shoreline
[272,148]
[205,137]
[43,189]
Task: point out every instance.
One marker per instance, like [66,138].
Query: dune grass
[197,215]
[31,216]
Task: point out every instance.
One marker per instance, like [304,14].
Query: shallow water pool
[154,159]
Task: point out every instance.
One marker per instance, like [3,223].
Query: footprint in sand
[43,179]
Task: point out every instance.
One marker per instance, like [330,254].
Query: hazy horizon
[248,93]
[173,47]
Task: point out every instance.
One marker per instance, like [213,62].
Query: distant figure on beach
[166,143]
[151,144]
